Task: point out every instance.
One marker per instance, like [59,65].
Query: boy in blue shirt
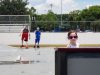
[37,38]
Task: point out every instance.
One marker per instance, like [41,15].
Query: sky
[42,6]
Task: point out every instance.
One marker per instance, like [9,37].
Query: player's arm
[29,33]
[40,33]
[21,32]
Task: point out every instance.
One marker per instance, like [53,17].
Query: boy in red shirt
[25,35]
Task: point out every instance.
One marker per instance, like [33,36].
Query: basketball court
[41,61]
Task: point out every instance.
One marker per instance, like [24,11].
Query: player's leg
[38,41]
[23,38]
[22,42]
[26,44]
[26,40]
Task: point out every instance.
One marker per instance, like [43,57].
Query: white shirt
[73,46]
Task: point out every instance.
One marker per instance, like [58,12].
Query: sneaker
[22,46]
[38,46]
[34,46]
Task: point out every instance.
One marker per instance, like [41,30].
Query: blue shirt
[37,33]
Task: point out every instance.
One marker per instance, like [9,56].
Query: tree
[47,22]
[13,7]
[90,14]
[95,25]
[32,14]
[73,18]
[52,21]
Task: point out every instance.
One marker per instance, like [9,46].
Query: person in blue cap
[37,38]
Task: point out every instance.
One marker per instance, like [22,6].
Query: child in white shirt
[72,36]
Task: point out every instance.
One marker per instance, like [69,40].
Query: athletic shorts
[25,36]
[37,40]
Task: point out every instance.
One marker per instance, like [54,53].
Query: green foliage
[13,7]
[88,18]
[90,14]
[85,18]
[47,22]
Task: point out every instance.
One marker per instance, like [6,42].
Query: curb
[58,45]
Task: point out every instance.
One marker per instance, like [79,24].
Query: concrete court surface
[43,63]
